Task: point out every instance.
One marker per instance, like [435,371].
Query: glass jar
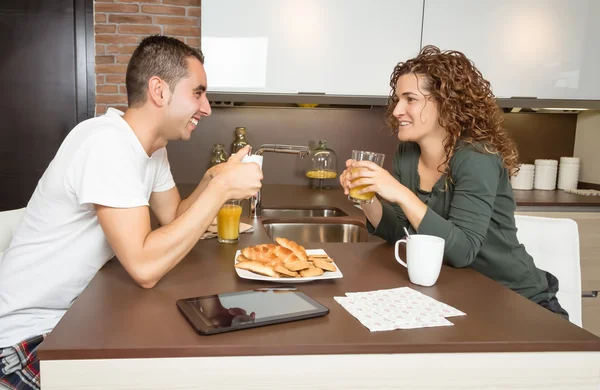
[218,155]
[323,165]
[240,140]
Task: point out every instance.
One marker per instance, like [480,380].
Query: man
[93,203]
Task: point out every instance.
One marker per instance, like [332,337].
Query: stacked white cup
[568,173]
[523,180]
[545,174]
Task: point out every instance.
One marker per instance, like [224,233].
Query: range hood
[514,104]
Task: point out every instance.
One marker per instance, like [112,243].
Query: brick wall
[119,25]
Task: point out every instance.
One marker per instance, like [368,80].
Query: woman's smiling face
[417,113]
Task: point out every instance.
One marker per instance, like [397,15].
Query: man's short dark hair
[161,56]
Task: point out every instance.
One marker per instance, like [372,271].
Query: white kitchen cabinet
[339,47]
[547,49]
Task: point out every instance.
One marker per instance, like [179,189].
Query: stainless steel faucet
[302,151]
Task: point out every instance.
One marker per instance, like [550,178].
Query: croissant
[294,247]
[286,259]
[259,253]
[267,247]
[286,255]
[258,267]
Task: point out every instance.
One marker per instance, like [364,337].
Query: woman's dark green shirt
[475,214]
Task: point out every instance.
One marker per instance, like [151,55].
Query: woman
[451,173]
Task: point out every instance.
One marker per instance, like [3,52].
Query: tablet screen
[263,306]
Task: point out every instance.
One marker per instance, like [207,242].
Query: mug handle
[396,252]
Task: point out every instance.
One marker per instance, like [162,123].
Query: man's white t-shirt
[59,244]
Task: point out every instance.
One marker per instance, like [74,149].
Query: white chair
[554,245]
[8,223]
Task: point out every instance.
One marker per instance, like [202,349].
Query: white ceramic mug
[424,255]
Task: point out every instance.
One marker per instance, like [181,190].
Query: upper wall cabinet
[333,47]
[547,49]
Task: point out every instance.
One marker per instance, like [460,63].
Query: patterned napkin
[397,308]
[211,232]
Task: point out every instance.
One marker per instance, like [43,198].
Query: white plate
[245,274]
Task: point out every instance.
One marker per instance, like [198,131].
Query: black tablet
[248,309]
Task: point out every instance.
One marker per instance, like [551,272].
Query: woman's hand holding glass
[344,181]
[374,179]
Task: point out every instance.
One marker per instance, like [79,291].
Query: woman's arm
[476,177]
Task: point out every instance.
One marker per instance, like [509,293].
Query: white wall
[587,143]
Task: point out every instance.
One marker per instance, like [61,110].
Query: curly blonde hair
[467,107]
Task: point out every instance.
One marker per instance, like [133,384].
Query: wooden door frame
[85,77]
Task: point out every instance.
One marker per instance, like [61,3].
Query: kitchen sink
[303,232]
[302,213]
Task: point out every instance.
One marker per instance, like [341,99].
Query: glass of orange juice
[228,222]
[361,155]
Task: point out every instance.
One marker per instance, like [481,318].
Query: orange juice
[367,197]
[228,223]
[321,174]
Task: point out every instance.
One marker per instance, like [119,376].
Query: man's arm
[187,202]
[165,205]
[148,255]
[168,205]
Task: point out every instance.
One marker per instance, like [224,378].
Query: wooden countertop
[554,198]
[114,318]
